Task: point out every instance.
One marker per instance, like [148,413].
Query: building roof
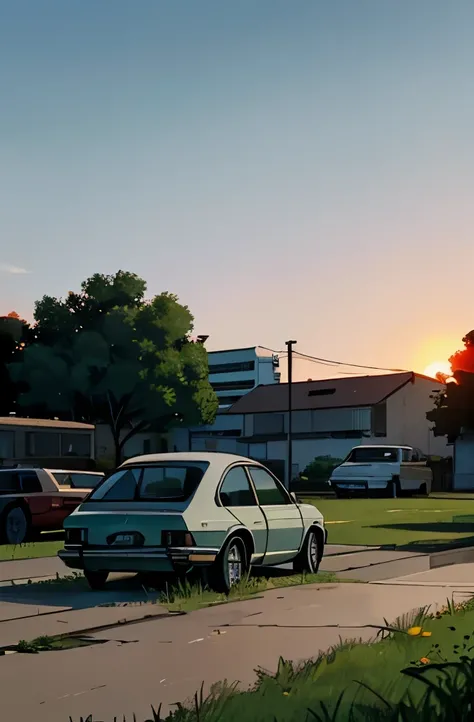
[45,423]
[323,394]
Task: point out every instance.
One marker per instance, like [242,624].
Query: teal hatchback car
[170,513]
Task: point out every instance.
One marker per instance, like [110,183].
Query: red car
[35,500]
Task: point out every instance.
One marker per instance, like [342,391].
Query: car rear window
[71,480]
[153,482]
[373,456]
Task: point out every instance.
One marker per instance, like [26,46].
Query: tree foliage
[105,354]
[454,409]
[13,335]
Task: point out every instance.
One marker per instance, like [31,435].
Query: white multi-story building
[232,374]
[235,372]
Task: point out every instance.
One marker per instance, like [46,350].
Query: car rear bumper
[136,559]
[354,486]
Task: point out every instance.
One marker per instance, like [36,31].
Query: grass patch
[187,597]
[31,550]
[50,644]
[419,668]
[431,523]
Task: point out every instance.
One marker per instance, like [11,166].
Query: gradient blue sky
[297,169]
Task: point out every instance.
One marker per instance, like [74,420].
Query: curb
[462,555]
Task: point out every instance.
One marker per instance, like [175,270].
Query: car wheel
[423,490]
[393,489]
[230,566]
[15,526]
[96,580]
[309,557]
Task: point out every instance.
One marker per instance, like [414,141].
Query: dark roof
[325,394]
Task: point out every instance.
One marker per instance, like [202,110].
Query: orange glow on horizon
[436,367]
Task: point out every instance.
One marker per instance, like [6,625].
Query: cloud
[13,270]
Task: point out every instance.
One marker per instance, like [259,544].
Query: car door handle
[259,521]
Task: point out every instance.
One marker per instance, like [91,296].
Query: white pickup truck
[382,470]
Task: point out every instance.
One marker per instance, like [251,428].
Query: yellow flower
[424,660]
[426,634]
[414,631]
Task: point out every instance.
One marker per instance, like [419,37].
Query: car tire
[423,490]
[230,566]
[15,526]
[96,580]
[393,489]
[310,555]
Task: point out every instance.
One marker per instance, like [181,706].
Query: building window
[231,368]
[379,419]
[231,385]
[268,424]
[7,444]
[76,445]
[228,400]
[42,444]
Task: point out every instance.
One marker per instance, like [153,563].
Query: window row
[45,444]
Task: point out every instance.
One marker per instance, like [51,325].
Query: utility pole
[290,345]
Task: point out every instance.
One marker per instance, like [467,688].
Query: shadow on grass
[435,544]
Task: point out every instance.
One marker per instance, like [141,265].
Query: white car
[165,513]
[386,470]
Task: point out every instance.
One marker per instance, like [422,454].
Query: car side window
[10,482]
[269,493]
[30,484]
[236,489]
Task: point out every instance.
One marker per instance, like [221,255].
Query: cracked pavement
[165,660]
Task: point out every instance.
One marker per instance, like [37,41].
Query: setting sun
[438,367]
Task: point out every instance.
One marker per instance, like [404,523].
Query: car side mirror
[293,497]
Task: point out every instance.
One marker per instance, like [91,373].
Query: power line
[329,362]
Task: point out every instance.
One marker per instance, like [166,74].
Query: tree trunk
[118,450]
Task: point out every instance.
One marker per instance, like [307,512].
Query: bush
[316,475]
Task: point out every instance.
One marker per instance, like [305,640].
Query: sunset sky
[297,169]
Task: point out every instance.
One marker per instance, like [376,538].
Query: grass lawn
[438,521]
[33,550]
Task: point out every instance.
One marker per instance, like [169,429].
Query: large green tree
[108,355]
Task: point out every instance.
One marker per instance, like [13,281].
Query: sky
[291,170]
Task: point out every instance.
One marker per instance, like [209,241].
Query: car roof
[73,471]
[196,456]
[382,446]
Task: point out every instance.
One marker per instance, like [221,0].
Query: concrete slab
[28,568]
[457,574]
[166,660]
[70,621]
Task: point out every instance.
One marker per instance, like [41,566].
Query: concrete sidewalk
[166,660]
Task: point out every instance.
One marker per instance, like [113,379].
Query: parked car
[34,500]
[386,470]
[175,512]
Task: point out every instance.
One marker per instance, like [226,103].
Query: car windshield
[153,482]
[371,455]
[72,480]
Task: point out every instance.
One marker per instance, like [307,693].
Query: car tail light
[177,539]
[76,536]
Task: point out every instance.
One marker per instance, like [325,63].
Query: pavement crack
[379,627]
